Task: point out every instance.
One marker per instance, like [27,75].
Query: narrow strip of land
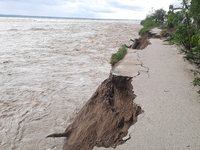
[162,83]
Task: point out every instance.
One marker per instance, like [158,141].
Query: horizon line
[52,17]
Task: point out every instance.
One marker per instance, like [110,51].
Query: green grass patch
[148,24]
[119,55]
[145,29]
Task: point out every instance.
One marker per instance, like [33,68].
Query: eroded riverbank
[164,91]
[48,70]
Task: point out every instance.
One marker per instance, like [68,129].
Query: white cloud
[112,9]
[123,14]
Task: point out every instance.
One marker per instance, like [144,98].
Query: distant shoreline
[48,17]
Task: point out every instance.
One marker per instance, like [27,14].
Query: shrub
[196,81]
[119,55]
[148,24]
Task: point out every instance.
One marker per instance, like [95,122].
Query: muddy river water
[49,68]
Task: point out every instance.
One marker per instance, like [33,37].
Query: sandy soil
[106,117]
[171,105]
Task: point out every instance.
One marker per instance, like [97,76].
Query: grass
[148,24]
[145,29]
[119,55]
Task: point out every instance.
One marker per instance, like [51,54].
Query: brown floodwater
[49,68]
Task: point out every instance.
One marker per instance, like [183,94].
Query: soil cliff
[105,119]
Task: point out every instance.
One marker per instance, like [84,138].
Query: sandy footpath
[162,83]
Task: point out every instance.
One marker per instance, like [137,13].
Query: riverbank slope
[171,105]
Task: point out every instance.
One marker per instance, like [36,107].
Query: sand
[171,105]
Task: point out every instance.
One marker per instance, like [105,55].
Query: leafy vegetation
[119,55]
[188,32]
[196,81]
[148,24]
[195,11]
[185,22]
[153,20]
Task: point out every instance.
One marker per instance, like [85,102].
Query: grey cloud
[124,6]
[83,8]
[40,2]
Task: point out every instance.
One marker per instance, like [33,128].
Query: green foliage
[186,29]
[163,27]
[186,21]
[119,55]
[171,7]
[184,34]
[174,19]
[159,15]
[187,32]
[146,28]
[195,10]
[196,81]
[148,24]
[195,40]
[170,20]
[171,38]
[152,21]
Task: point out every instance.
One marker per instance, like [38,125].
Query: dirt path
[164,91]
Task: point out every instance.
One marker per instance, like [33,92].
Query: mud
[105,118]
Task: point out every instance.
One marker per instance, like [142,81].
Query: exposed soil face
[142,42]
[105,118]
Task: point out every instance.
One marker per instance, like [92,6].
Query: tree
[171,7]
[159,15]
[188,28]
[195,10]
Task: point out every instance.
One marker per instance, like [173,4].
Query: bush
[148,24]
[119,55]
[174,19]
[171,38]
[196,81]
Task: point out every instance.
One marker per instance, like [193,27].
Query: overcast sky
[105,9]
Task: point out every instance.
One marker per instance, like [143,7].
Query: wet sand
[49,68]
[164,90]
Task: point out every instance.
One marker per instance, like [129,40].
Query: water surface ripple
[48,69]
